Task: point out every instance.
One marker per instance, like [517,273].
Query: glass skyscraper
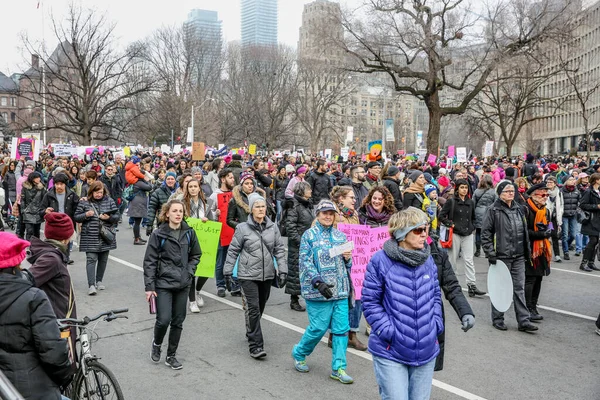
[259,22]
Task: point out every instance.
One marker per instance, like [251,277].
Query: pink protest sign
[367,241]
[450,151]
[400,152]
[431,159]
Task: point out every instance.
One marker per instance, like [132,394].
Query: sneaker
[301,366]
[172,362]
[567,257]
[221,292]
[258,353]
[155,354]
[100,286]
[199,300]
[577,254]
[341,376]
[194,307]
[236,293]
[557,259]
[70,262]
[92,291]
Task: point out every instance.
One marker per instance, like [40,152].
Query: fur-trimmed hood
[27,185]
[241,199]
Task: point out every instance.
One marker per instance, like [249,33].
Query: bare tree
[444,51]
[88,81]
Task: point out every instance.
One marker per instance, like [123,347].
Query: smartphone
[152,304]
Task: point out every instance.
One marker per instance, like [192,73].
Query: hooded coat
[157,199]
[32,354]
[239,209]
[31,202]
[299,219]
[138,207]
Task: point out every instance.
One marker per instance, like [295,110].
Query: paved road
[559,362]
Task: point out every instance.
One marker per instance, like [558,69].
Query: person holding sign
[405,321]
[326,286]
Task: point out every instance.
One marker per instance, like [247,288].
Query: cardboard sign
[198,151]
[223,205]
[431,159]
[450,151]
[252,149]
[461,154]
[25,147]
[208,234]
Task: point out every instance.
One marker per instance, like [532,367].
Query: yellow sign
[127,151]
[252,149]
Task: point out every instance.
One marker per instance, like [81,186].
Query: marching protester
[483,198]
[30,206]
[372,177]
[392,182]
[406,323]
[415,193]
[175,246]
[357,174]
[571,197]
[504,236]
[299,219]
[138,208]
[239,206]
[160,197]
[326,288]
[319,182]
[555,206]
[34,358]
[98,214]
[377,207]
[590,203]
[258,251]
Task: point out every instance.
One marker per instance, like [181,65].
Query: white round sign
[500,286]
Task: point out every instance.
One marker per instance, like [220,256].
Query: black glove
[282,280]
[149,231]
[548,233]
[325,289]
[229,282]
[492,260]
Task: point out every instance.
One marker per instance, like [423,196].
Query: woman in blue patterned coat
[402,301]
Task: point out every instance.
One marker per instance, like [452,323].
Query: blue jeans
[279,211]
[402,382]
[323,315]
[221,257]
[580,240]
[569,229]
[355,315]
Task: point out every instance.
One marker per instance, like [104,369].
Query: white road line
[575,272]
[441,385]
[556,310]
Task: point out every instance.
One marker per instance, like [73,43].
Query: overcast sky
[135,19]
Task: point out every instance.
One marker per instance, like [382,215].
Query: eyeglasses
[508,191]
[420,230]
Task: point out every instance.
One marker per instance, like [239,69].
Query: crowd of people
[526,212]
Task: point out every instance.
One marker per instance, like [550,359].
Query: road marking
[556,310]
[575,272]
[439,384]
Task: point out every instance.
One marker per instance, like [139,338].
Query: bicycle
[93,380]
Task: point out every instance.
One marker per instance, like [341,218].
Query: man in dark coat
[320,182]
[392,182]
[357,173]
[114,183]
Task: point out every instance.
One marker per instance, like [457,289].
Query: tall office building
[321,32]
[259,22]
[204,40]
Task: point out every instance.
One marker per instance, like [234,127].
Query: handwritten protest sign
[431,159]
[223,205]
[367,241]
[451,151]
[208,234]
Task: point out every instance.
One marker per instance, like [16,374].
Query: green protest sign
[208,234]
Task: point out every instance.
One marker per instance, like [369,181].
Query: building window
[3,101]
[13,117]
[5,115]
[13,101]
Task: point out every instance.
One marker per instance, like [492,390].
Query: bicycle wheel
[99,383]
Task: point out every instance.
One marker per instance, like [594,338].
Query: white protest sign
[328,153]
[176,148]
[165,148]
[345,152]
[461,154]
[64,150]
[489,149]
[341,249]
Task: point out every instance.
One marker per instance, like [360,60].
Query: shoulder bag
[446,233]
[105,232]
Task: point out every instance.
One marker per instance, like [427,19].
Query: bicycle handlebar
[65,322]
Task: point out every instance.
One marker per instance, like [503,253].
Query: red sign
[223,206]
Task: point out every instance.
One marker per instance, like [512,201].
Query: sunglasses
[420,230]
[543,195]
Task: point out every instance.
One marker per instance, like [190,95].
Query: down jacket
[571,197]
[299,219]
[321,186]
[317,266]
[238,209]
[589,202]
[32,354]
[90,240]
[483,199]
[403,305]
[159,197]
[256,245]
[31,203]
[138,207]
[170,263]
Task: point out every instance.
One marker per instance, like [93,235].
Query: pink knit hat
[12,249]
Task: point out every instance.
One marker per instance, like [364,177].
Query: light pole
[383,138]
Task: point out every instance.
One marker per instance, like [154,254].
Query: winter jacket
[170,263]
[49,269]
[394,187]
[157,199]
[368,216]
[497,175]
[317,266]
[9,184]
[133,173]
[504,231]
[403,305]
[239,209]
[453,293]
[213,180]
[289,190]
[321,185]
[542,265]
[370,183]
[50,200]
[236,168]
[90,240]
[256,246]
[529,169]
[299,219]
[280,186]
[413,200]
[115,186]
[555,205]
[31,203]
[264,181]
[32,354]
[571,198]
[360,192]
[460,213]
[138,207]
[483,199]
[589,202]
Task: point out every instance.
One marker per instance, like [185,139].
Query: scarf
[416,188]
[541,248]
[522,189]
[380,217]
[411,258]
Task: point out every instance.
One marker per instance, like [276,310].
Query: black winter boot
[584,265]
[473,291]
[477,251]
[592,266]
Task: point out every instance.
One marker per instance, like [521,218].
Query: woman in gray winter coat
[138,208]
[259,253]
[31,204]
[97,211]
[484,197]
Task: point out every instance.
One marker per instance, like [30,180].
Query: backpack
[188,235]
[129,193]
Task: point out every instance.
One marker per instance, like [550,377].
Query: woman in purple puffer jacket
[402,302]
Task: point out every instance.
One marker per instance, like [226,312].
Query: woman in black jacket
[377,207]
[392,182]
[415,193]
[33,356]
[590,202]
[170,262]
[299,218]
[31,204]
[239,210]
[97,212]
[9,184]
[571,197]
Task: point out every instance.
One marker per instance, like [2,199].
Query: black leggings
[32,230]
[590,250]
[200,281]
[136,227]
